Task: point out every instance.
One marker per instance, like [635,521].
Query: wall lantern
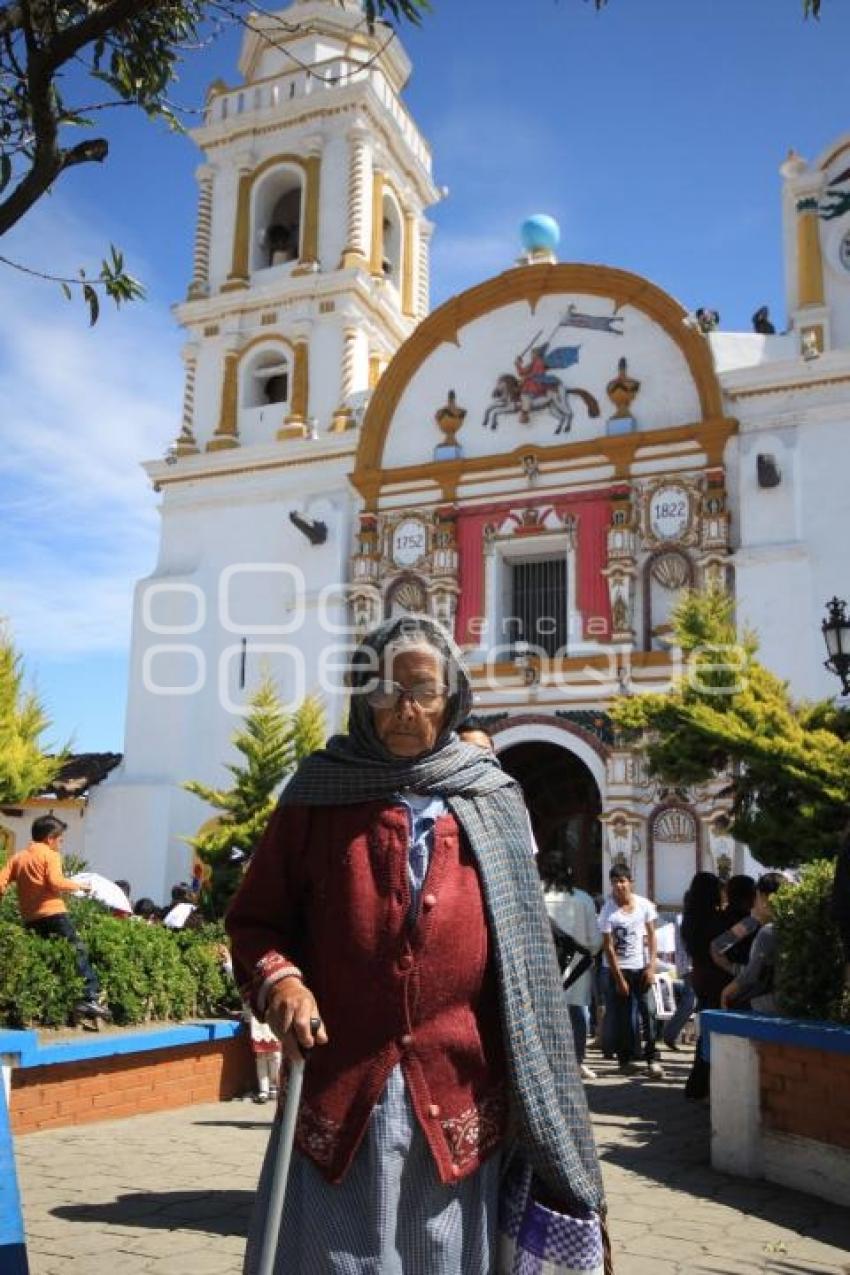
[836,634]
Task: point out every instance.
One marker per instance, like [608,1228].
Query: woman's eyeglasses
[389,694]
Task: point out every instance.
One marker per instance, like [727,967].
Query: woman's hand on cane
[293,1015]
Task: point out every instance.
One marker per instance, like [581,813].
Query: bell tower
[816,206]
[311,257]
[310,268]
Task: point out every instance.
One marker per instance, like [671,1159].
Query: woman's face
[407,728]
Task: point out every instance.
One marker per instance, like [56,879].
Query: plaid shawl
[551,1117]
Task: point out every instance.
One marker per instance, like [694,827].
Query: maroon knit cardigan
[327,891]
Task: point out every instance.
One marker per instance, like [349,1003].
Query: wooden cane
[283,1158]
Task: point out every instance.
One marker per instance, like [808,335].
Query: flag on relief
[563,356]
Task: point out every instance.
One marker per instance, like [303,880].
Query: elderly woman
[394,898]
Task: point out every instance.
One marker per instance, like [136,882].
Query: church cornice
[221,307]
[381,46]
[788,376]
[246,460]
[349,100]
[618,453]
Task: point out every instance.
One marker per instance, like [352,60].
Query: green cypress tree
[25,768]
[788,764]
[271,743]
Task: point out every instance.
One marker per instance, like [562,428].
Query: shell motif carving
[409,595]
[670,570]
[675,825]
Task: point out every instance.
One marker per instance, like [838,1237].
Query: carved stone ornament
[623,841]
[449,418]
[721,845]
[668,512]
[670,570]
[410,595]
[622,390]
[620,612]
[676,826]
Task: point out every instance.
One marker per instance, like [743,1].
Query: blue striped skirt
[390,1215]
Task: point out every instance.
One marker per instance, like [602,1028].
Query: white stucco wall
[231,565]
[791,539]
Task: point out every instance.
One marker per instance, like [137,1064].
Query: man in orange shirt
[37,872]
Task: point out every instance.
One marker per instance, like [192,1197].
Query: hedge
[146,971]
[810,960]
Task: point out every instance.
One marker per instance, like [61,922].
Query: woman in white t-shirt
[627,923]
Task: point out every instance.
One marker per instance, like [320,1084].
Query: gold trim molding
[227,433]
[809,260]
[788,387]
[376,259]
[297,419]
[620,451]
[285,462]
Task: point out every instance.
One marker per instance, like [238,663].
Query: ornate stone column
[186,443]
[296,421]
[376,256]
[312,189]
[200,284]
[365,596]
[357,251]
[809,261]
[227,430]
[408,264]
[377,363]
[444,588]
[241,262]
[423,273]
[343,417]
[621,568]
[812,316]
[624,839]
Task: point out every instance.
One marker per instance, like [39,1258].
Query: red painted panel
[592,512]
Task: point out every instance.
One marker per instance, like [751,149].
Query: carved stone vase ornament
[622,391]
[449,418]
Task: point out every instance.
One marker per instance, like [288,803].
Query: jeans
[629,1011]
[607,1039]
[684,1008]
[578,1018]
[64,927]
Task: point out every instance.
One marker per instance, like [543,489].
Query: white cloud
[80,408]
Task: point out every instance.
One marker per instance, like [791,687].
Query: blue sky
[653,132]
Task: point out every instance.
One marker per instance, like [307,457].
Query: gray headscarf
[357,766]
[553,1126]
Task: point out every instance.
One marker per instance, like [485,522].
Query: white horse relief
[509,399]
[535,387]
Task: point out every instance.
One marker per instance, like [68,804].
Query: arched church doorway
[564,802]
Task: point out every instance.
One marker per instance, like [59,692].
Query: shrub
[147,972]
[810,960]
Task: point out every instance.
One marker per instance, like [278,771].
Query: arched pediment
[587,319]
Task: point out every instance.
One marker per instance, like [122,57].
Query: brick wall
[805,1092]
[53,1097]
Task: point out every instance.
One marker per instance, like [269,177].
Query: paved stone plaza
[170,1194]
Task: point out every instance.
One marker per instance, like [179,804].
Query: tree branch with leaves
[271,743]
[130,52]
[25,767]
[786,765]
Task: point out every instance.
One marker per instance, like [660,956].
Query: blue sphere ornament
[540,233]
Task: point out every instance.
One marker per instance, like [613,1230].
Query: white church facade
[544,462]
